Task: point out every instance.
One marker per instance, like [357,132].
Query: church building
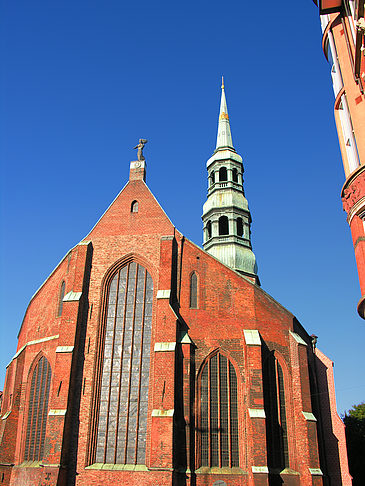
[146,360]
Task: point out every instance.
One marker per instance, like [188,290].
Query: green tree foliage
[354,420]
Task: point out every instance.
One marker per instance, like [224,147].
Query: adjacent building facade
[343,43]
[144,359]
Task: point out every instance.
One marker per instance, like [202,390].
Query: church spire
[226,216]
[224,137]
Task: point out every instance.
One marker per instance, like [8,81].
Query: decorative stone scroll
[354,192]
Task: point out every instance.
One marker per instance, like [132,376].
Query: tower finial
[224,137]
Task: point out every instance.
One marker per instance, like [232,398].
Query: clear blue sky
[83,80]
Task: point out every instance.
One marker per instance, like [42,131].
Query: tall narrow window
[193,291]
[38,411]
[61,296]
[222,174]
[69,261]
[219,445]
[223,225]
[134,207]
[122,426]
[276,422]
[282,414]
[209,229]
[212,177]
[239,224]
[234,175]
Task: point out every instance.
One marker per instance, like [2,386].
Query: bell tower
[226,217]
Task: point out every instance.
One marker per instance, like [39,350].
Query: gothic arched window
[193,291]
[134,207]
[276,421]
[223,225]
[37,411]
[218,415]
[122,425]
[282,413]
[60,300]
[222,174]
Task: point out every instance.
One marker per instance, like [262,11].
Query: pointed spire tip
[224,137]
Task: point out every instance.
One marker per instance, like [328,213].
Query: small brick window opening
[60,300]
[134,207]
[193,291]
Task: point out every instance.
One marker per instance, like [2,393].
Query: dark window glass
[283,424]
[222,174]
[328,52]
[209,229]
[276,424]
[223,225]
[235,175]
[239,227]
[122,425]
[38,410]
[60,302]
[194,291]
[134,207]
[219,445]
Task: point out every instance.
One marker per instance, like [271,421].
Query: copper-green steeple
[224,137]
[226,216]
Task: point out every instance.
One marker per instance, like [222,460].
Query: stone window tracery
[218,414]
[122,424]
[37,411]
